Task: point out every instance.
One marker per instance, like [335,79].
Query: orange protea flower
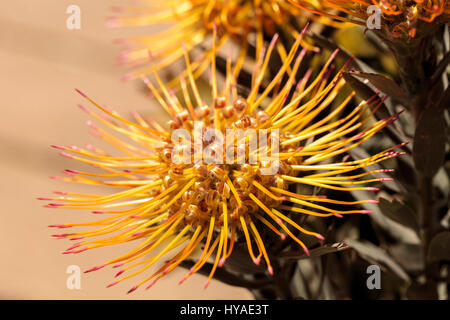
[399,17]
[193,21]
[176,206]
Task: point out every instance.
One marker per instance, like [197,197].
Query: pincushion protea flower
[193,21]
[184,207]
[399,17]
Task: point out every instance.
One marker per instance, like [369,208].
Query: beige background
[41,62]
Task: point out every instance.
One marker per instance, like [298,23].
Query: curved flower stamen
[193,21]
[173,207]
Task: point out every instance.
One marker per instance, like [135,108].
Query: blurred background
[41,62]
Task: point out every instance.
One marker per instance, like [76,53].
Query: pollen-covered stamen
[169,206]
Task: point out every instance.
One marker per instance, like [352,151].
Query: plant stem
[417,61]
[426,201]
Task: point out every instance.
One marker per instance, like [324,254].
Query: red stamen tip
[58,147]
[366,211]
[274,39]
[132,289]
[80,250]
[306,251]
[119,273]
[206,285]
[372,189]
[222,262]
[62,235]
[270,269]
[112,22]
[166,271]
[94,269]
[61,226]
[81,93]
[112,284]
[256,261]
[127,78]
[359,136]
[55,204]
[83,108]
[320,237]
[67,155]
[74,246]
[151,284]
[91,124]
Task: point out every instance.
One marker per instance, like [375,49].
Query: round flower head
[193,21]
[399,18]
[178,201]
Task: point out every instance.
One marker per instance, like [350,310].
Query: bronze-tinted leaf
[409,256]
[444,102]
[365,92]
[439,249]
[240,261]
[372,253]
[384,84]
[317,252]
[429,142]
[400,213]
[442,66]
[388,226]
[419,291]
